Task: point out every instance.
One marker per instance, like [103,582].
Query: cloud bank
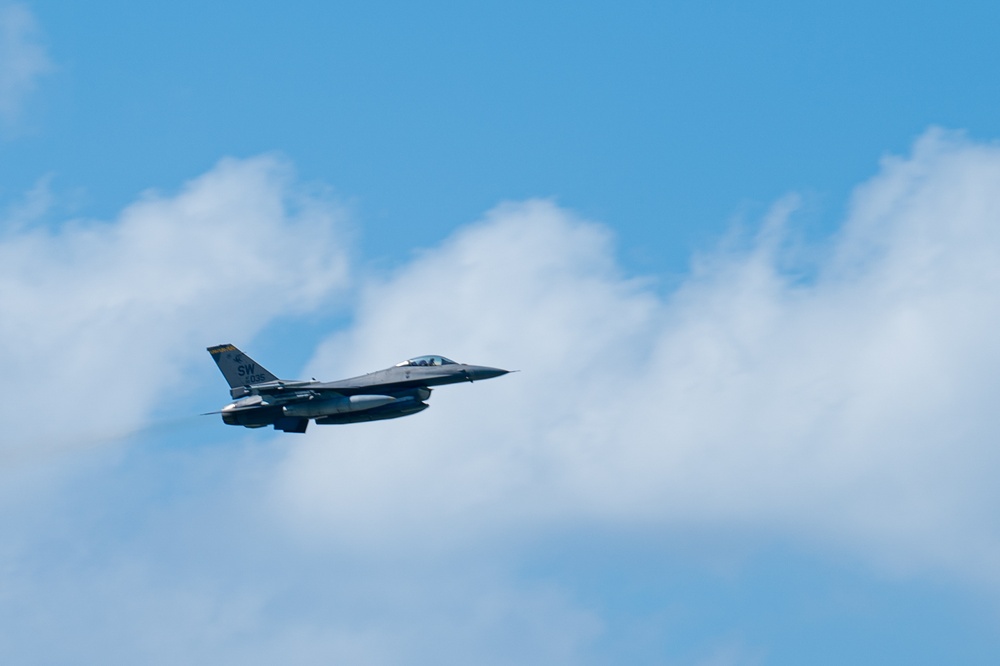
[849,405]
[23,59]
[118,310]
[852,409]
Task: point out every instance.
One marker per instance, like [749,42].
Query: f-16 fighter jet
[261,399]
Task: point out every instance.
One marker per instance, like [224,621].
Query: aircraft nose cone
[480,372]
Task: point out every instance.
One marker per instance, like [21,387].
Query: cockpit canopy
[427,360]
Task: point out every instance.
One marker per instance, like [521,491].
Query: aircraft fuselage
[392,393]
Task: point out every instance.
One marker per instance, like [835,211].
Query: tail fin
[238,368]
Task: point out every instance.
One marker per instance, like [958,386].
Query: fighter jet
[260,399]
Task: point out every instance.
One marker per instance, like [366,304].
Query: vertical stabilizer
[238,368]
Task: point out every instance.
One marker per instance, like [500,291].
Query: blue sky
[661,120]
[744,255]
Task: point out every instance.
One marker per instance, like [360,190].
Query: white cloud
[101,318]
[23,59]
[135,557]
[854,409]
[142,612]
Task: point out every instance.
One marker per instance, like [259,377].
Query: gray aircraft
[260,399]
